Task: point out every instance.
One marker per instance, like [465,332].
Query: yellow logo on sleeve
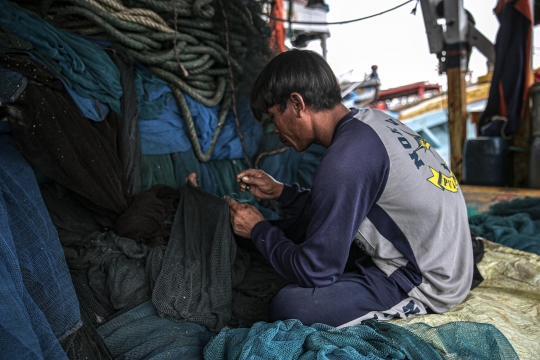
[422,144]
[437,178]
[442,181]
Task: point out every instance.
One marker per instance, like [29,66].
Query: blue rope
[235,197]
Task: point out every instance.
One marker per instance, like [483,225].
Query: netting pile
[514,223]
[86,158]
[196,46]
[200,276]
[290,339]
[142,334]
[205,277]
[39,311]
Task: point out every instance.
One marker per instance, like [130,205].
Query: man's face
[290,127]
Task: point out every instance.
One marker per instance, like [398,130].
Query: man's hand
[260,184]
[244,217]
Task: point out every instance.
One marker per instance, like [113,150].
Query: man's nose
[276,131]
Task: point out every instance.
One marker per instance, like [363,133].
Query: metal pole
[289,18]
[456,68]
[323,46]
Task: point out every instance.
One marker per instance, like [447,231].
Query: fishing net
[40,312]
[513,223]
[87,68]
[111,274]
[196,280]
[290,339]
[129,148]
[91,159]
[142,334]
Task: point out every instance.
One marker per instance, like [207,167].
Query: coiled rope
[180,42]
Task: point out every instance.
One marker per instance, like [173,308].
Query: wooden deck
[482,197]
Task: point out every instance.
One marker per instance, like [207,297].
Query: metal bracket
[477,39]
[458,30]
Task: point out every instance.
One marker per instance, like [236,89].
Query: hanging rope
[232,85]
[269,153]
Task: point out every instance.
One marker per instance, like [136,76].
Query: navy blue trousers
[363,292]
[359,295]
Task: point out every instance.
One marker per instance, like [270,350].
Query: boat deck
[483,197]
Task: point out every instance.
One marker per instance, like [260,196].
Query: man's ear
[298,103]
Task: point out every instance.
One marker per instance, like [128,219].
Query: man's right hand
[260,184]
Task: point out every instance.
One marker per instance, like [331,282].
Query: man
[379,187]
[374,74]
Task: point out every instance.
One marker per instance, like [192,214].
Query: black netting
[111,274]
[86,343]
[83,156]
[252,296]
[195,282]
[63,145]
[203,264]
[129,148]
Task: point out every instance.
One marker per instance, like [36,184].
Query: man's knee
[286,304]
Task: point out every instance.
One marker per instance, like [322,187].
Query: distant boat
[429,118]
[360,93]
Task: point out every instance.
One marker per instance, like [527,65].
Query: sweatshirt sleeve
[295,201]
[348,181]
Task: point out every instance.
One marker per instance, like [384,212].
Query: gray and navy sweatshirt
[382,186]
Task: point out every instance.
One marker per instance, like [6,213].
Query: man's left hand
[244,217]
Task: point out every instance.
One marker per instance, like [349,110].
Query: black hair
[301,71]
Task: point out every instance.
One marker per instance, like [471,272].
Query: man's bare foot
[192,178]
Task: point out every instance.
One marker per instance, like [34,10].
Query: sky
[396,41]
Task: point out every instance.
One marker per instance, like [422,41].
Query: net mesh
[142,334]
[39,306]
[374,340]
[513,223]
[84,156]
[465,340]
[195,281]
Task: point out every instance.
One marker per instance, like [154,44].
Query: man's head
[295,71]
[374,68]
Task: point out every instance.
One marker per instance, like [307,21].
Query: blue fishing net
[290,339]
[515,224]
[39,306]
[88,68]
[465,340]
[142,334]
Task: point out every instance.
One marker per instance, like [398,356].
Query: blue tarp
[166,132]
